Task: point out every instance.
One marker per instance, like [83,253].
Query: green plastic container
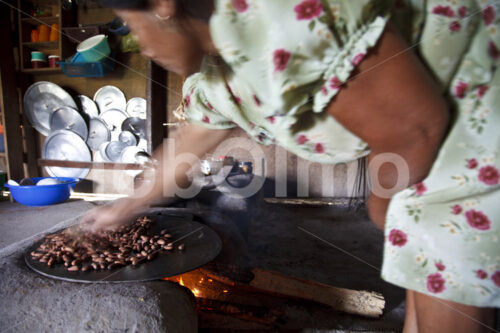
[38,56]
[94,48]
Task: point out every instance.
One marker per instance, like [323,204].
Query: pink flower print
[308,9]
[493,51]
[477,220]
[397,237]
[481,274]
[457,209]
[488,14]
[210,107]
[489,175]
[187,100]
[335,83]
[443,10]
[420,188]
[460,89]
[256,100]
[251,124]
[271,119]
[324,91]
[356,60]
[435,283]
[462,12]
[280,59]
[301,139]
[440,267]
[496,278]
[237,100]
[205,119]
[472,163]
[319,148]
[240,5]
[481,90]
[454,26]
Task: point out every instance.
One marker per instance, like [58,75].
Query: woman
[333,81]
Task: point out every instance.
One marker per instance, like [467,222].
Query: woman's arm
[394,105]
[188,139]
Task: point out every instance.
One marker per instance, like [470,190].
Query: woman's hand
[112,215]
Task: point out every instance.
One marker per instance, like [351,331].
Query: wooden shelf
[43,70]
[48,20]
[91,165]
[42,45]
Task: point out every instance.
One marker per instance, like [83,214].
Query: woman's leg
[410,325]
[436,315]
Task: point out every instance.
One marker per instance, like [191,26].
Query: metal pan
[69,119]
[135,125]
[41,100]
[202,245]
[114,118]
[66,146]
[136,107]
[110,97]
[88,106]
[98,133]
[128,138]
[113,150]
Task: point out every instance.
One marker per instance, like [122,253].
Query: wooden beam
[156,96]
[91,165]
[10,98]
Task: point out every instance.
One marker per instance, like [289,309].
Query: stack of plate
[114,129]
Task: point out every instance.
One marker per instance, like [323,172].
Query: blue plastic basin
[43,195]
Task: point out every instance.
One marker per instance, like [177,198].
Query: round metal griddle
[202,245]
[68,119]
[66,146]
[98,133]
[114,118]
[110,97]
[136,107]
[41,100]
[135,125]
[88,106]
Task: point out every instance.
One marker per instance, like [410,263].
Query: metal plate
[98,133]
[113,150]
[202,245]
[110,97]
[102,152]
[128,138]
[129,154]
[114,118]
[66,146]
[41,100]
[68,119]
[136,107]
[135,125]
[88,106]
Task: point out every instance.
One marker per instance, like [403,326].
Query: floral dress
[285,60]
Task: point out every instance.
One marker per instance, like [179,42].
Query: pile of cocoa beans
[82,250]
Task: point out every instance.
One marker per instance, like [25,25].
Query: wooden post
[156,96]
[10,98]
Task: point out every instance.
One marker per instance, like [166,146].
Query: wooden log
[359,302]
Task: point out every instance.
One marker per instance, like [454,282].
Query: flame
[181,282]
[195,291]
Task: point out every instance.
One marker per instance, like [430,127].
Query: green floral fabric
[284,61]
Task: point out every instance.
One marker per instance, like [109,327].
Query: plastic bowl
[43,195]
[94,48]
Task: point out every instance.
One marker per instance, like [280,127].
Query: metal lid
[114,118]
[136,107]
[88,106]
[128,138]
[102,152]
[135,125]
[41,100]
[65,145]
[110,97]
[68,119]
[98,133]
[114,150]
[129,155]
